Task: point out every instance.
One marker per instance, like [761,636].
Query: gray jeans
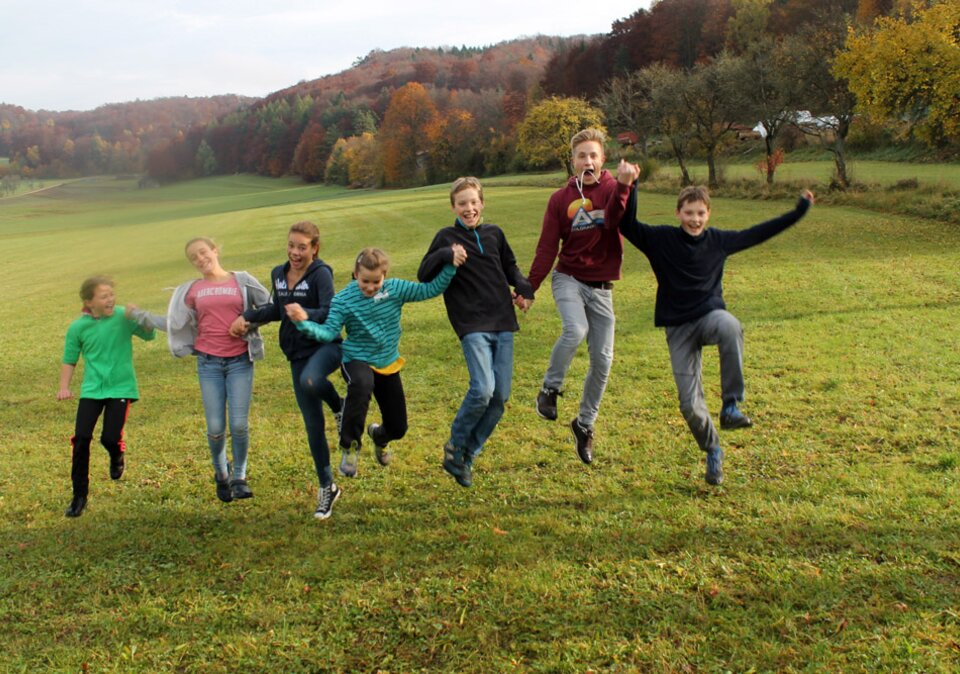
[686,343]
[586,313]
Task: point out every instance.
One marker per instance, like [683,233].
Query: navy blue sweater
[689,269]
[313,292]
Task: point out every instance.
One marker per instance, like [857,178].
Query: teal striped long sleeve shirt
[373,323]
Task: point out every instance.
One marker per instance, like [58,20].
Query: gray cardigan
[180,323]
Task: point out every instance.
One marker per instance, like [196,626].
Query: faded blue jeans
[226,384]
[489,357]
[586,313]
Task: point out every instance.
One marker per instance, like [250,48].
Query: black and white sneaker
[326,497]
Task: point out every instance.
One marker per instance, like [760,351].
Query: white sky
[79,54]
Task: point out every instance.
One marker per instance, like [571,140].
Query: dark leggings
[387,389]
[312,389]
[115,412]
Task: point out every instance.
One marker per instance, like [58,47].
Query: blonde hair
[89,286]
[308,229]
[585,135]
[465,183]
[693,193]
[373,259]
[203,239]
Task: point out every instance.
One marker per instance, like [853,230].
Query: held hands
[296,313]
[522,302]
[128,311]
[459,254]
[239,327]
[627,173]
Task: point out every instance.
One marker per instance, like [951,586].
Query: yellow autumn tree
[404,135]
[543,137]
[909,69]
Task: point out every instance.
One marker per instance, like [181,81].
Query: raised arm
[437,255]
[735,241]
[616,206]
[411,291]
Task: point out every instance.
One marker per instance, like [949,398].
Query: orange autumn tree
[405,135]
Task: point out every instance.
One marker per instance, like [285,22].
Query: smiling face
[204,257]
[300,251]
[102,302]
[370,280]
[588,156]
[693,216]
[468,206]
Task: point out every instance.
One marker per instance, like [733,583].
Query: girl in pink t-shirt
[198,323]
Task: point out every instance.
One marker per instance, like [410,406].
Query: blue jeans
[312,389]
[489,357]
[586,313]
[226,383]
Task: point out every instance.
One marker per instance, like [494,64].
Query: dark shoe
[547,403]
[349,459]
[731,417]
[76,506]
[223,490]
[116,466]
[239,489]
[455,464]
[326,497]
[583,437]
[379,451]
[714,466]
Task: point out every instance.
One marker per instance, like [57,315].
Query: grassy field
[833,545]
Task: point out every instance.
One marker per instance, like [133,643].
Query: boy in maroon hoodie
[582,221]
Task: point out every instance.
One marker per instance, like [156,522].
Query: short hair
[308,229]
[89,286]
[204,239]
[587,135]
[373,259]
[465,183]
[693,193]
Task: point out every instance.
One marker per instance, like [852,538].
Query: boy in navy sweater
[479,305]
[688,263]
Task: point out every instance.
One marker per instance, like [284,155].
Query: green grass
[832,545]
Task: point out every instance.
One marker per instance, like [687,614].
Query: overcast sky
[77,55]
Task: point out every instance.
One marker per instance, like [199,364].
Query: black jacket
[479,298]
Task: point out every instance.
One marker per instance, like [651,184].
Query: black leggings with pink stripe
[111,435]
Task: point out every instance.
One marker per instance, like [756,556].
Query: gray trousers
[586,313]
[686,343]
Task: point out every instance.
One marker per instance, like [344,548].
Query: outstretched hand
[296,313]
[459,254]
[808,195]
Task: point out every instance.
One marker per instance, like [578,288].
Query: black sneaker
[379,451]
[714,474]
[731,417]
[116,466]
[223,490]
[547,403]
[239,489]
[76,506]
[583,438]
[454,463]
[326,497]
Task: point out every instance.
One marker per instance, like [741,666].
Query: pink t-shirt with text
[217,306]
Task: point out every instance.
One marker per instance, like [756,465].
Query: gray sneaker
[379,451]
[455,463]
[349,459]
[326,497]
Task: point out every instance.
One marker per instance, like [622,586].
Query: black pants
[387,389]
[111,435]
